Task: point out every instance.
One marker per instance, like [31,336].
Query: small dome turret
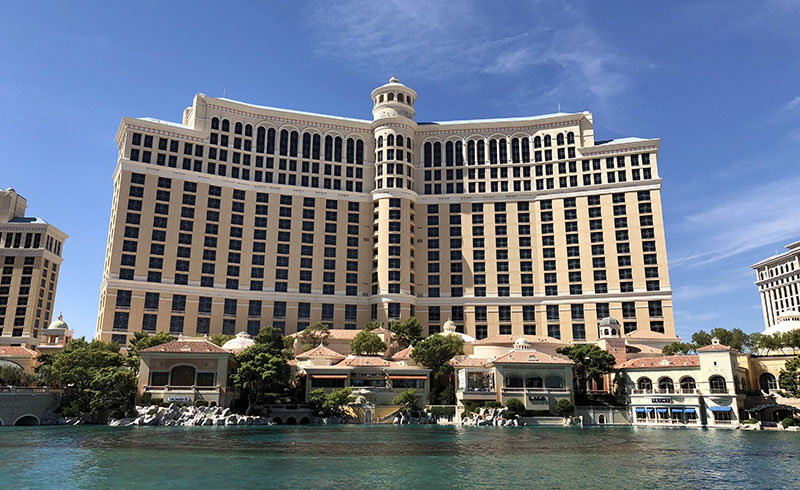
[393,100]
[241,342]
[522,344]
[59,323]
[609,328]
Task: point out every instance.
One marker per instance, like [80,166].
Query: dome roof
[787,321]
[59,323]
[449,328]
[242,341]
[609,322]
[522,343]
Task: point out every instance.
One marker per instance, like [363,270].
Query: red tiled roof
[641,349]
[16,351]
[660,362]
[469,362]
[713,347]
[403,354]
[530,356]
[510,339]
[188,346]
[366,361]
[647,334]
[320,351]
[335,334]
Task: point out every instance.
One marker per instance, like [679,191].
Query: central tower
[393,126]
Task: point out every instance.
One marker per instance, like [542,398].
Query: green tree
[734,338]
[113,389]
[330,404]
[435,353]
[366,342]
[220,338]
[10,375]
[370,326]
[516,406]
[142,340]
[262,368]
[408,332]
[564,408]
[678,348]
[314,335]
[591,362]
[789,377]
[407,400]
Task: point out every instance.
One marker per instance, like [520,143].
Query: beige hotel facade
[242,216]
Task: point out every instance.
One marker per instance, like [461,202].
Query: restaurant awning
[720,409]
[640,410]
[690,410]
[677,410]
[406,376]
[329,376]
[661,410]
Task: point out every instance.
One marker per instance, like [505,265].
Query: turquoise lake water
[395,457]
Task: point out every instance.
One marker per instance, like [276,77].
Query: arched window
[570,138]
[768,382]
[492,151]
[718,384]
[390,140]
[666,385]
[547,140]
[526,150]
[427,154]
[513,382]
[337,149]
[390,97]
[515,150]
[284,144]
[449,158]
[399,140]
[226,125]
[380,141]
[261,136]
[534,382]
[182,376]
[351,150]
[408,143]
[559,139]
[359,152]
[644,384]
[293,144]
[481,152]
[315,146]
[470,153]
[306,145]
[437,154]
[400,98]
[380,98]
[328,148]
[238,128]
[537,142]
[688,385]
[554,382]
[271,140]
[214,123]
[459,153]
[248,130]
[503,151]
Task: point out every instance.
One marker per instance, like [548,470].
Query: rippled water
[395,457]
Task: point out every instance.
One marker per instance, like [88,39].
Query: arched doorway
[277,420]
[27,420]
[768,382]
[601,419]
[291,421]
[182,376]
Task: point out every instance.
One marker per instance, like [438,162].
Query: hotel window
[578,331]
[481,331]
[554,331]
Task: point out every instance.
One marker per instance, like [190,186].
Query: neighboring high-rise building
[30,257]
[778,281]
[243,216]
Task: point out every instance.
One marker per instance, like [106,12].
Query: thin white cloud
[793,104]
[692,292]
[756,217]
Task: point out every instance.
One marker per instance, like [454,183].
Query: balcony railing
[657,391]
[719,391]
[198,389]
[535,390]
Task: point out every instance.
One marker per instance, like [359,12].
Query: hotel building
[242,216]
[778,281]
[30,257]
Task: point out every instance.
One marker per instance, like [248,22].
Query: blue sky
[716,81]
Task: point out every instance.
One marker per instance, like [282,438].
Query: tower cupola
[393,100]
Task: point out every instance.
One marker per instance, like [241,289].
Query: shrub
[509,415]
[564,408]
[72,410]
[516,406]
[200,403]
[493,404]
[787,422]
[116,414]
[156,401]
[147,398]
[212,404]
[152,411]
[437,412]
[751,421]
[164,404]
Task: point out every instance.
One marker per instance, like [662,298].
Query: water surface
[395,457]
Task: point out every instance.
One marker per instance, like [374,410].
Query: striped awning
[329,376]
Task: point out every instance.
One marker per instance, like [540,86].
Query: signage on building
[178,399]
[661,400]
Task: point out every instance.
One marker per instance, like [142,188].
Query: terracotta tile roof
[16,351]
[713,347]
[403,354]
[647,334]
[321,351]
[469,362]
[531,356]
[198,346]
[510,339]
[660,362]
[366,361]
[641,349]
[335,334]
